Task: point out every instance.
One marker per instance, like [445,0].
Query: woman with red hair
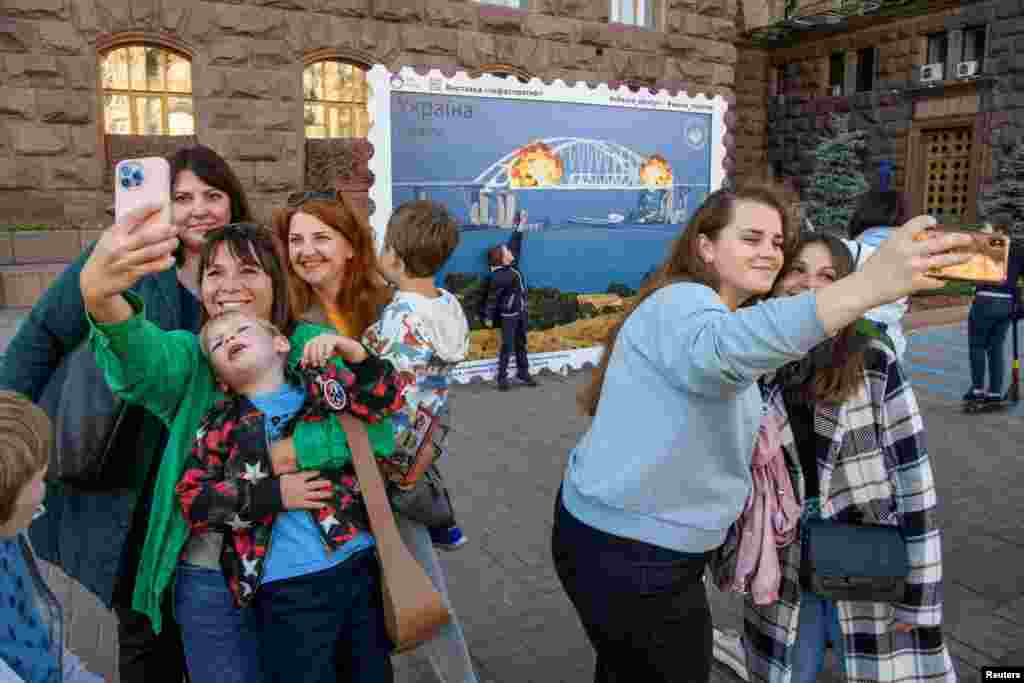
[332,262]
[334,281]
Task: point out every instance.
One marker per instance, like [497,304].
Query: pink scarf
[768,521]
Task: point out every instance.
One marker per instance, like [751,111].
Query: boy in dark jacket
[506,302]
[318,524]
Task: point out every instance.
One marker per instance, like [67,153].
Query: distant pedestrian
[987,324]
[506,304]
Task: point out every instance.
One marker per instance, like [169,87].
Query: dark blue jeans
[326,627]
[644,608]
[221,641]
[987,325]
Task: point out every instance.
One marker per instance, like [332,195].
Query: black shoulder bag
[87,419]
[853,562]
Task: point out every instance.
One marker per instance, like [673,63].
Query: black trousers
[644,608]
[144,656]
[513,340]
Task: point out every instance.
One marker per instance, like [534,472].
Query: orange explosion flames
[656,172]
[535,165]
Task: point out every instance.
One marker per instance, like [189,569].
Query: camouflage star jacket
[227,485]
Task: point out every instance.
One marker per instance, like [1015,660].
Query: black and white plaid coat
[876,470]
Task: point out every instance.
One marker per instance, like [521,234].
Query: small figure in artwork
[506,302]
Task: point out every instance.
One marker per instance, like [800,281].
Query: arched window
[147,90]
[335,95]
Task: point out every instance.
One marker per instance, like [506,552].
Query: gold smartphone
[990,253]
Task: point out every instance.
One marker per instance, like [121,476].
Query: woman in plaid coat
[853,442]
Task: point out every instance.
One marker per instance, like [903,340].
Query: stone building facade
[935,133]
[247,60]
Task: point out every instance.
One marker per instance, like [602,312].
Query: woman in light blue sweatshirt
[653,485]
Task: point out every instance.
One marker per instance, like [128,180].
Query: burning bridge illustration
[568,164]
[563,163]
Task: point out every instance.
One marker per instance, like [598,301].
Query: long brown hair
[684,263]
[839,373]
[254,245]
[361,293]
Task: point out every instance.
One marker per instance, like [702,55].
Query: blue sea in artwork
[599,226]
[570,258]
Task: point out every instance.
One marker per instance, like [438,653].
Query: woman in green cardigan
[166,372]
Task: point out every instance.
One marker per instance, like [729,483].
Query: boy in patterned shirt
[423,332]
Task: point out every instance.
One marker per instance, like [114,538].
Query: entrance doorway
[950,186]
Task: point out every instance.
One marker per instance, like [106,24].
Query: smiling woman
[243,272]
[318,253]
[240,268]
[206,195]
[853,423]
[332,263]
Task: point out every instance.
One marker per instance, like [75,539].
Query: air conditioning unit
[836,90]
[966,69]
[931,72]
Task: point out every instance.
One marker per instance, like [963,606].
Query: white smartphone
[138,182]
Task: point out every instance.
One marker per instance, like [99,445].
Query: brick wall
[749,126]
[798,115]
[247,68]
[1001,121]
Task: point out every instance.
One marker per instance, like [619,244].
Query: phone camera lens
[126,183]
[137,176]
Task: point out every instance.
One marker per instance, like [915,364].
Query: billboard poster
[598,181]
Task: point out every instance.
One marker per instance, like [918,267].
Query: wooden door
[950,184]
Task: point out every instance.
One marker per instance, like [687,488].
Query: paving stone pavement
[508,454]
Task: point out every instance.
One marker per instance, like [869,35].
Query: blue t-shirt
[296,548]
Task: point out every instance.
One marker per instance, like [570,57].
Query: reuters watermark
[1002,673]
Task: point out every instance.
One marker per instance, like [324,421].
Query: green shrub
[625,291]
[469,289]
[549,307]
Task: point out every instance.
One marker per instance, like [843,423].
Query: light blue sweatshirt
[667,457]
